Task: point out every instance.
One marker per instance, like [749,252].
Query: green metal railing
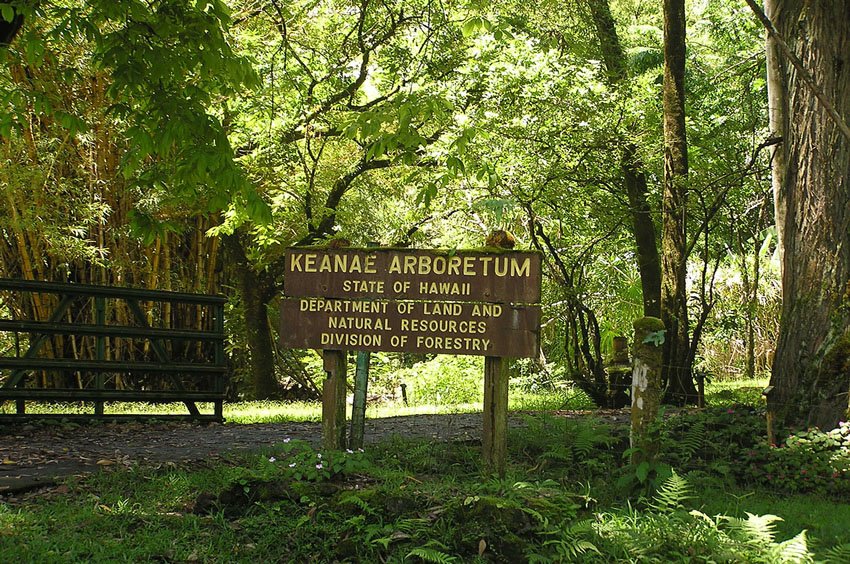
[156,371]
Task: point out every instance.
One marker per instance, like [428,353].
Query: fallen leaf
[8,461]
[105,462]
[482,546]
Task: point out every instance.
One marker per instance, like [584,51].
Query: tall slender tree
[674,306]
[634,175]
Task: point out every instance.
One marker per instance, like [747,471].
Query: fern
[693,440]
[755,529]
[358,502]
[588,436]
[412,526]
[571,544]
[671,494]
[431,555]
[793,550]
[837,554]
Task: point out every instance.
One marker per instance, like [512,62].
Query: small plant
[300,461]
[808,461]
[670,532]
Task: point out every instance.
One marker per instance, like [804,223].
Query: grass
[246,412]
[825,519]
[563,499]
[568,496]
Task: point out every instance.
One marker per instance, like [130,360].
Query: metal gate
[67,357]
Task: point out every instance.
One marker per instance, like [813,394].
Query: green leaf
[7,12]
[642,471]
[655,338]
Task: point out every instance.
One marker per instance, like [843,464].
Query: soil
[39,455]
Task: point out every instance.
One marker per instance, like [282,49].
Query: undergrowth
[570,495]
[421,501]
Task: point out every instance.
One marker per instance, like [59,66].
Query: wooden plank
[411,274]
[494,440]
[333,400]
[407,326]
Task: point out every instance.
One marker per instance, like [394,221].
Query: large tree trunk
[634,176]
[811,370]
[674,298]
[255,292]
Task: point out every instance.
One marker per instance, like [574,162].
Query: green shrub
[445,380]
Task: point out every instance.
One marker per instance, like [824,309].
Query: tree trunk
[811,179]
[255,295]
[643,227]
[674,305]
[634,177]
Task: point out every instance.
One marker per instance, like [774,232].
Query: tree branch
[798,64]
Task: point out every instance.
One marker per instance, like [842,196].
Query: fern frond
[671,494]
[431,555]
[837,554]
[793,550]
[693,439]
[572,543]
[358,502]
[411,526]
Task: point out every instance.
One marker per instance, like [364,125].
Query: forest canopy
[185,144]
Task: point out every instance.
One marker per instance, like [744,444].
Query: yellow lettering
[310,263]
[469,266]
[369,267]
[410,265]
[326,264]
[521,270]
[439,265]
[355,265]
[295,262]
[395,265]
[454,266]
[424,265]
[503,271]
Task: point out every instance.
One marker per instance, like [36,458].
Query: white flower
[319,455]
[272,459]
[292,465]
[287,439]
[319,466]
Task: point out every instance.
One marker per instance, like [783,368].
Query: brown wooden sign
[406,326]
[403,274]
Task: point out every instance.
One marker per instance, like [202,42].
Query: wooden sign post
[424,301]
[333,400]
[494,439]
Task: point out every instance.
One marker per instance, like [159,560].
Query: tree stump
[646,387]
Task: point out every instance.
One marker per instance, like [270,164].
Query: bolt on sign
[423,301]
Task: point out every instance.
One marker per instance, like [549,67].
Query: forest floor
[38,455]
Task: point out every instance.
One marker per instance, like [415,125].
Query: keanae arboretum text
[460,302]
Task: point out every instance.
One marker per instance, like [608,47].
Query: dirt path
[37,455]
